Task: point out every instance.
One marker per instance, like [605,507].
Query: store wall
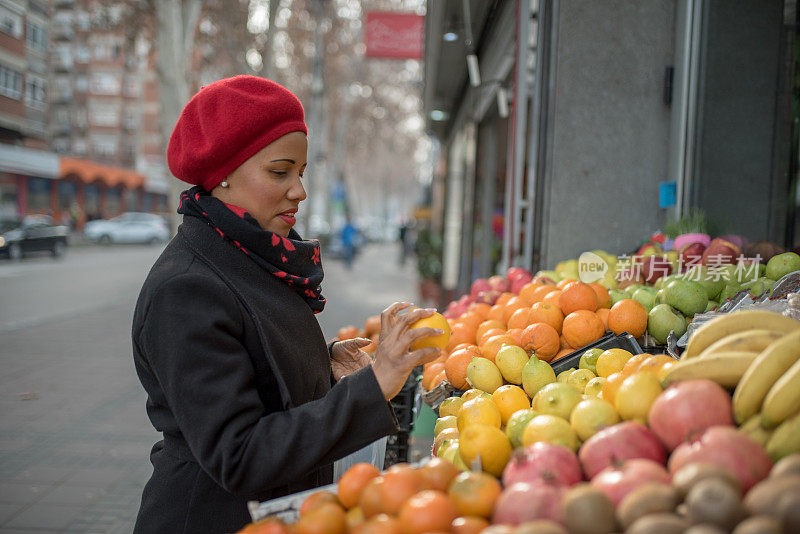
[739,179]
[608,126]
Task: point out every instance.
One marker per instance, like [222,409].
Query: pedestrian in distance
[349,236]
[252,402]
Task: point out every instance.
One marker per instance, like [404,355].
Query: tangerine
[347,332]
[563,283]
[560,354]
[496,313]
[370,499]
[544,312]
[516,335]
[487,325]
[494,344]
[352,483]
[514,304]
[400,482]
[437,474]
[474,493]
[603,314]
[611,385]
[577,296]
[480,308]
[327,519]
[632,365]
[519,319]
[603,297]
[526,293]
[490,333]
[542,339]
[629,316]
[487,443]
[455,367]
[654,364]
[503,299]
[509,399]
[468,525]
[427,511]
[434,321]
[380,524]
[541,292]
[461,333]
[439,378]
[315,500]
[553,298]
[582,327]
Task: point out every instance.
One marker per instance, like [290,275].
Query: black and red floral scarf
[293,260]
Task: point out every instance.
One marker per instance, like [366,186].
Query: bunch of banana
[727,348]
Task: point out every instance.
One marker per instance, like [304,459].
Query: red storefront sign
[394,35]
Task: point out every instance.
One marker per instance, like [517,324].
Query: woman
[251,402]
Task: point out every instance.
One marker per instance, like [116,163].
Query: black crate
[608,341]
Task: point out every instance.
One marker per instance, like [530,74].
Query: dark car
[31,234]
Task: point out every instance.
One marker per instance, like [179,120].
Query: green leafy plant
[429,254]
[695,221]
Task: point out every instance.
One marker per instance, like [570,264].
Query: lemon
[483,374]
[635,396]
[472,393]
[564,375]
[589,360]
[557,399]
[551,429]
[509,399]
[579,378]
[535,375]
[447,433]
[612,361]
[479,411]
[516,425]
[446,444]
[510,361]
[448,421]
[485,443]
[593,387]
[450,406]
[592,415]
[434,321]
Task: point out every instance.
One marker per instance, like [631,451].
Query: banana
[783,399]
[724,368]
[767,368]
[732,323]
[753,429]
[785,440]
[754,340]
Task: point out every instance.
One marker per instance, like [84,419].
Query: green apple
[730,291]
[664,319]
[645,297]
[713,284]
[759,286]
[686,296]
[660,298]
[664,280]
[728,273]
[589,360]
[631,289]
[782,264]
[617,295]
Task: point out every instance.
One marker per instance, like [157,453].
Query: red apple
[720,252]
[479,285]
[518,272]
[499,283]
[654,267]
[692,255]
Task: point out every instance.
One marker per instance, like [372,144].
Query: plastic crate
[396,449]
[403,406]
[608,341]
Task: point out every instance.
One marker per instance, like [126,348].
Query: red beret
[226,123]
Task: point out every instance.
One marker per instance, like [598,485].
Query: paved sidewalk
[74,436]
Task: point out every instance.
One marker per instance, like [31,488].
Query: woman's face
[268,185]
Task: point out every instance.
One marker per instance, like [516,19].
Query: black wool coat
[238,379]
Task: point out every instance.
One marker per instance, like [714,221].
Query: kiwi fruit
[540,526]
[787,510]
[649,498]
[763,497]
[658,524]
[759,524]
[689,475]
[714,501]
[788,465]
[705,528]
[588,510]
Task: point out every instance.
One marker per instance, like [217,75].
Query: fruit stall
[661,396]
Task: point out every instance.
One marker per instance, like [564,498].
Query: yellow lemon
[483,374]
[448,421]
[485,443]
[434,321]
[551,429]
[536,374]
[564,375]
[511,360]
[612,361]
[474,392]
[509,399]
[516,425]
[556,399]
[592,415]
[635,396]
[479,411]
[593,387]
[589,360]
[450,406]
[447,433]
[579,378]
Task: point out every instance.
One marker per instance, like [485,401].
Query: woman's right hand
[393,361]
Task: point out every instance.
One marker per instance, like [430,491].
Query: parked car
[31,234]
[130,227]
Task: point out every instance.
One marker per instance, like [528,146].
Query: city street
[74,436]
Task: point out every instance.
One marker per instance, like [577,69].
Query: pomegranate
[478,286]
[518,283]
[728,448]
[543,462]
[514,273]
[499,283]
[685,410]
[623,441]
[618,480]
[488,297]
[524,501]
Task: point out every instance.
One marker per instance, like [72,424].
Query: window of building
[104,114]
[112,200]
[10,22]
[82,21]
[37,37]
[67,194]
[62,89]
[130,121]
[36,92]
[132,199]
[39,193]
[63,56]
[132,87]
[61,145]
[91,201]
[103,83]
[104,145]
[10,83]
[79,147]
[82,54]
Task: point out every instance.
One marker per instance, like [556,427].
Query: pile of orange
[436,497]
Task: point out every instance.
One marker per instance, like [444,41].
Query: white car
[130,227]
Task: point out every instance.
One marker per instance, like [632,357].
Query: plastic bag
[374,454]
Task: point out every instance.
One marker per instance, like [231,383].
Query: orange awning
[90,171]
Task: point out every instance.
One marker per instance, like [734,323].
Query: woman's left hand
[347,356]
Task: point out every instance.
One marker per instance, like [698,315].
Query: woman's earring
[224,184]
